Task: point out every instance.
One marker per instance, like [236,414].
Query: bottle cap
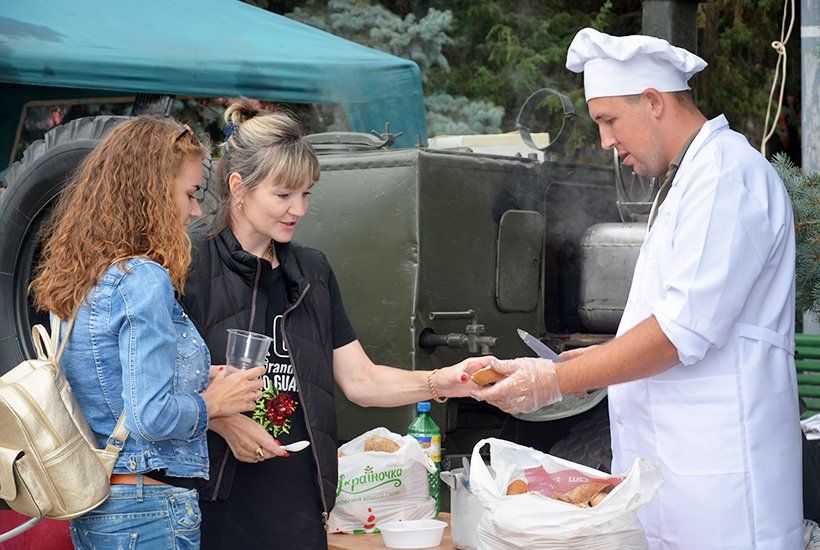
[423,407]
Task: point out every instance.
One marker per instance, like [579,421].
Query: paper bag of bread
[382,477]
[585,507]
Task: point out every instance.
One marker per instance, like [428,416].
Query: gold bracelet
[436,397]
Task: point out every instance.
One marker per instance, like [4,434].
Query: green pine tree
[804,190]
[420,38]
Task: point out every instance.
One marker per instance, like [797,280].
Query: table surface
[373,541]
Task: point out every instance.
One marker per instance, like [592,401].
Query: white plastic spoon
[296,446]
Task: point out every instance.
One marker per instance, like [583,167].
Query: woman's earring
[240,205]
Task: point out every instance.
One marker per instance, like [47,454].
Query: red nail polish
[285,455]
[464,376]
[221,368]
[277,442]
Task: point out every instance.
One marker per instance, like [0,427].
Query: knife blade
[539,347]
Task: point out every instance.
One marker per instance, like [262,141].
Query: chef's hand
[248,440]
[529,384]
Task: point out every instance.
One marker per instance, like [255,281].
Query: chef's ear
[655,100]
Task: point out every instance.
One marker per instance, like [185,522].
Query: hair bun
[241,110]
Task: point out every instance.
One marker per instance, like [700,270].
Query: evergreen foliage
[458,115]
[804,190]
[421,39]
[497,52]
[504,50]
[411,37]
[735,37]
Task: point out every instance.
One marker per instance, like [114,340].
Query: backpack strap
[43,343]
[116,441]
[55,335]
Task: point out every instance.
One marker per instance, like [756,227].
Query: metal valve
[473,339]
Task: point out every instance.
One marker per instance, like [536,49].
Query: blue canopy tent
[211,48]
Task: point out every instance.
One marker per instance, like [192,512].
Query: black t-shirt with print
[276,503]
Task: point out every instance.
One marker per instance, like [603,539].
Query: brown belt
[131,479]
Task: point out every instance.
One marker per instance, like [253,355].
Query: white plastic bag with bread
[382,477]
[533,520]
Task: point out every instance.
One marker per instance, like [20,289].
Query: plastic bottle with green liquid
[427,432]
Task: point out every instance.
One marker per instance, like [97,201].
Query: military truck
[446,253]
[440,254]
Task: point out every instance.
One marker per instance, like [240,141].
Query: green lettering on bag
[369,481]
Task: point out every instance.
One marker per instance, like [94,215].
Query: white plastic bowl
[414,533]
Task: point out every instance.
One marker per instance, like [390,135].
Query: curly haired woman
[116,255]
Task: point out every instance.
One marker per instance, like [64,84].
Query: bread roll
[586,495]
[517,487]
[584,492]
[486,376]
[596,500]
[562,497]
[379,443]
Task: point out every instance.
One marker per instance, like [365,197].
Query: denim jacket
[133,348]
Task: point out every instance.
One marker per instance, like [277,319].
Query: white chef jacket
[716,269]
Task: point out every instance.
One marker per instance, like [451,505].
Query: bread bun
[379,443]
[586,495]
[486,376]
[584,492]
[596,500]
[517,487]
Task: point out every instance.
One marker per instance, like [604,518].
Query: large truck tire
[209,200]
[589,442]
[32,184]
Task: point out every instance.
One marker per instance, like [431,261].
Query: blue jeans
[141,516]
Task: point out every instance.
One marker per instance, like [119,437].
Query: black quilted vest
[222,291]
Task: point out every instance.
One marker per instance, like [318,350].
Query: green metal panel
[807,365]
[413,232]
[462,200]
[363,215]
[518,266]
[810,380]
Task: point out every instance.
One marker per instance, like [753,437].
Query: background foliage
[480,60]
[804,190]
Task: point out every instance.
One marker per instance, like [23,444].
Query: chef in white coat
[701,374]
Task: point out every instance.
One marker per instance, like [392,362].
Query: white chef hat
[628,65]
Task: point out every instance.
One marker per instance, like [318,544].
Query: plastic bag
[376,486]
[535,521]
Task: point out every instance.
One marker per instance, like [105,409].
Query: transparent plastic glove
[530,384]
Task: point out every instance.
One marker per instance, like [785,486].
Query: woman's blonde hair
[260,146]
[119,203]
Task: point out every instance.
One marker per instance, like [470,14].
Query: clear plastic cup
[247,349]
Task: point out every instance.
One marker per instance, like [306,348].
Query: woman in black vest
[246,273]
